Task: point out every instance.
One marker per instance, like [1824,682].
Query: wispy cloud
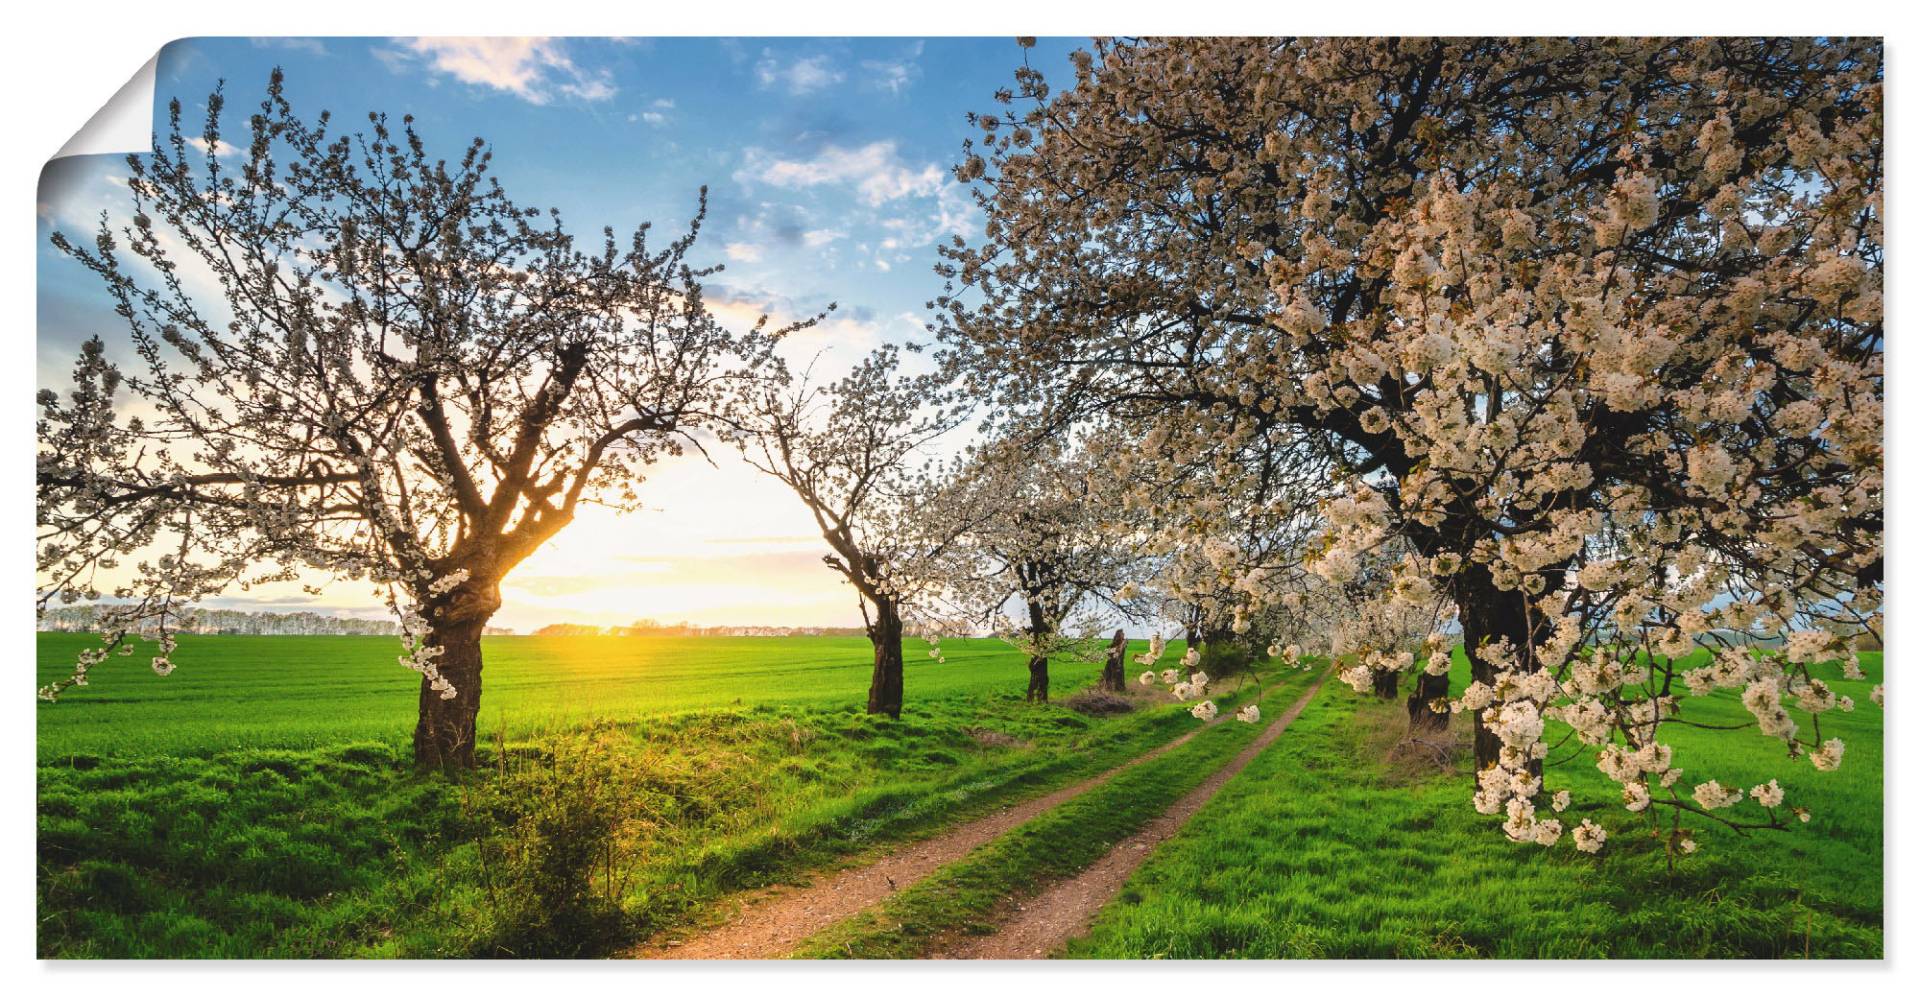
[875,170]
[800,76]
[536,70]
[655,114]
[894,75]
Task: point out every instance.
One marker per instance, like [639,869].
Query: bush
[1222,658]
[560,855]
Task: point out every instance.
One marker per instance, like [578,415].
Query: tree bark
[1039,630]
[885,693]
[447,730]
[1113,677]
[1487,615]
[445,734]
[1386,684]
[1037,679]
[1422,718]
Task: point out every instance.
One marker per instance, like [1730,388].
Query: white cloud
[818,237]
[875,170]
[225,148]
[654,118]
[743,252]
[533,69]
[800,77]
[892,77]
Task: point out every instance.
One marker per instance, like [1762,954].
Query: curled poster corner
[123,124]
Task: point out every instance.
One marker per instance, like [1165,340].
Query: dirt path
[774,921]
[1042,924]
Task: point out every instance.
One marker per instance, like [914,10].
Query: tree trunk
[1386,684]
[885,693]
[1422,718]
[1113,677]
[445,735]
[1037,678]
[1039,630]
[447,729]
[1488,614]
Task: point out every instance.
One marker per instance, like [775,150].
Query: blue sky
[827,160]
[828,168]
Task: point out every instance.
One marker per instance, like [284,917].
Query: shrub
[1221,658]
[560,853]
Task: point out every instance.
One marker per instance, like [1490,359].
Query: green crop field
[260,802]
[310,691]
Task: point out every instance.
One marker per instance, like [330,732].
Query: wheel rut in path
[1042,924]
[774,921]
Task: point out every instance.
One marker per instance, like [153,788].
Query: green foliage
[568,815]
[1223,658]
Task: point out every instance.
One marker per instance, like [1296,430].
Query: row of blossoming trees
[1588,333]
[1566,350]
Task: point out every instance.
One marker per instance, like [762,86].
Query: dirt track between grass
[772,922]
[1042,924]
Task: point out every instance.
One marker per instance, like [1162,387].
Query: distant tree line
[239,622]
[649,627]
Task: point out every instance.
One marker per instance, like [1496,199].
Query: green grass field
[300,692]
[260,802]
[1322,849]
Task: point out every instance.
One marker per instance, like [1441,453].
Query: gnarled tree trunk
[1386,684]
[447,729]
[885,693]
[1037,678]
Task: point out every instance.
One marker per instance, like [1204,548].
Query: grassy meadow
[316,691]
[1323,848]
[260,802]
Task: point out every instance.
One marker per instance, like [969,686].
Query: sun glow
[714,544]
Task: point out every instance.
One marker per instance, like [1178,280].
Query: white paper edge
[123,124]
